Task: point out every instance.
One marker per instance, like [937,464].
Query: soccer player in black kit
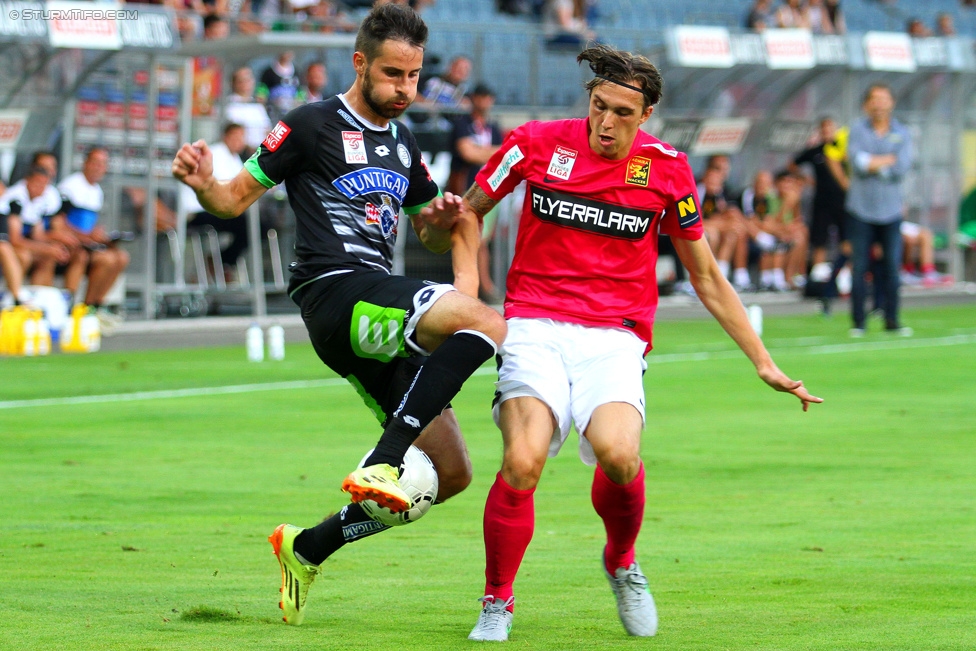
[406,345]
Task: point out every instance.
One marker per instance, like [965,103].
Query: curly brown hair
[627,68]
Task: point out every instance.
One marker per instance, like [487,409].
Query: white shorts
[573,369]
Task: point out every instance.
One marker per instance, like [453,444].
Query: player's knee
[522,471]
[452,481]
[486,321]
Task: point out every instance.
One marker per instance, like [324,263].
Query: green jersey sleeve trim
[252,166]
[413,210]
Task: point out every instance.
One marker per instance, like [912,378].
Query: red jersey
[586,250]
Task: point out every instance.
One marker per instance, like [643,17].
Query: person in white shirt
[82,200]
[226,164]
[25,207]
[242,108]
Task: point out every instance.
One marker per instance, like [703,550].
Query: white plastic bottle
[30,335]
[756,318]
[43,337]
[276,342]
[90,334]
[255,343]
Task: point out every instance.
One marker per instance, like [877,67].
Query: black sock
[348,525]
[434,386]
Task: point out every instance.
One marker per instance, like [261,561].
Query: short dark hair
[91,150]
[611,64]
[230,126]
[390,22]
[210,20]
[38,155]
[878,85]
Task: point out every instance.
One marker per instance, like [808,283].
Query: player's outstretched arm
[193,166]
[465,242]
[720,299]
[434,222]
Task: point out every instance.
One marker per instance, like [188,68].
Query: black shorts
[823,218]
[362,325]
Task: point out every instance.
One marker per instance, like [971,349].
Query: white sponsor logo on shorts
[509,161]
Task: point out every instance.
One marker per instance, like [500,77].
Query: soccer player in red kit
[580,304]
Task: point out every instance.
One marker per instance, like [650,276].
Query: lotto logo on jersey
[638,171]
[276,136]
[354,147]
[688,214]
[561,165]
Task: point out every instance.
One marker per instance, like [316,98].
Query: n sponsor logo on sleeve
[276,136]
[354,147]
[688,211]
[561,165]
[509,160]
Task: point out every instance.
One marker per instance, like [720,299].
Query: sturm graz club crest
[385,215]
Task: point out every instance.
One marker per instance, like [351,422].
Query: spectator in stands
[10,267]
[242,108]
[819,17]
[836,16]
[44,275]
[757,200]
[26,205]
[316,79]
[829,215]
[450,88]
[792,14]
[918,262]
[82,200]
[879,149]
[227,163]
[215,28]
[917,29]
[278,89]
[787,268]
[944,25]
[719,218]
[760,16]
[474,139]
[564,22]
[420,5]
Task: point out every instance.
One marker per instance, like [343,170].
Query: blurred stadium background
[141,85]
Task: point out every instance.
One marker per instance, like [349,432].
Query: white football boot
[635,605]
[495,620]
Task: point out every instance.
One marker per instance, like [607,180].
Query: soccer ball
[418,479]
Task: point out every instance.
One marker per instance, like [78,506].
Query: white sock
[779,278]
[723,266]
[741,277]
[767,277]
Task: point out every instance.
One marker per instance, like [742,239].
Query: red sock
[509,523]
[928,268]
[622,510]
[909,267]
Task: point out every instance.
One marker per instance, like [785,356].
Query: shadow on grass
[209,615]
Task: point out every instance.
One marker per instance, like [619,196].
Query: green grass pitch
[142,524]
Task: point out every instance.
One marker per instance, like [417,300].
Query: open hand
[779,381]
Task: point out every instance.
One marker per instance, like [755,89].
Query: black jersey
[347,180]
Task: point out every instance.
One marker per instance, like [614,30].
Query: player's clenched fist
[194,164]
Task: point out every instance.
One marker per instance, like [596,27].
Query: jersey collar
[369,125]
